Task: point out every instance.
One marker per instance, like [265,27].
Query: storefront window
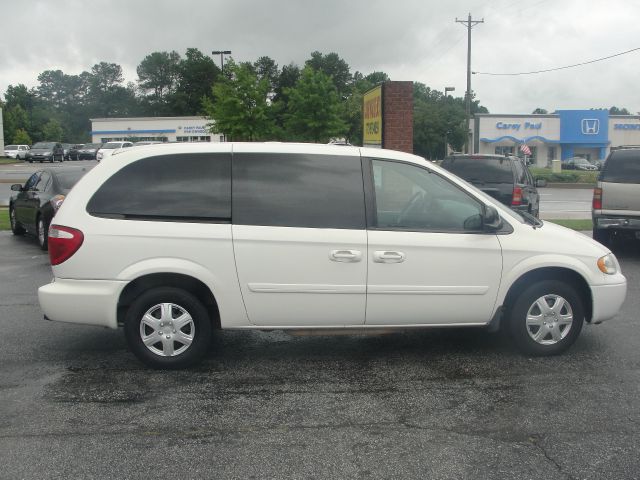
[504,150]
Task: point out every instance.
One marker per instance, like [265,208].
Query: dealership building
[559,136]
[163,129]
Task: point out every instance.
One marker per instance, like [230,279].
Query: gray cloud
[408,39]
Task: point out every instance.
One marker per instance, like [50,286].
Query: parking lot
[429,404]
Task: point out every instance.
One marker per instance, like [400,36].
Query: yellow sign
[372,116]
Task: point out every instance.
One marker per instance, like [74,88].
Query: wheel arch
[178,280]
[562,274]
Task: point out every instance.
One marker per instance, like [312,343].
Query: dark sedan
[578,163]
[88,151]
[45,152]
[34,204]
[74,151]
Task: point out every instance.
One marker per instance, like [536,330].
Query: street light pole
[222,53]
[446,146]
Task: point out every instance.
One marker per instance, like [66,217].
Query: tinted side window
[44,182]
[622,167]
[294,190]
[519,168]
[33,180]
[168,187]
[412,198]
[480,170]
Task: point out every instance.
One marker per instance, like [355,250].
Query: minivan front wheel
[546,318]
[168,327]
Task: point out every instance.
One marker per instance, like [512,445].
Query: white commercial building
[164,129]
[559,136]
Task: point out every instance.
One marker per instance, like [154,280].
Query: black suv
[506,178]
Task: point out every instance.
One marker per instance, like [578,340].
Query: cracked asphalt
[446,404]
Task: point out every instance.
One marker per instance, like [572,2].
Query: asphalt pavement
[445,404]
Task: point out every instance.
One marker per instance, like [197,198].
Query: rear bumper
[614,222]
[89,302]
[607,300]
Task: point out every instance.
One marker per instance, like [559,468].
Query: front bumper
[607,300]
[89,302]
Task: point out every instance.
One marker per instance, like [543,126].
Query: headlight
[608,264]
[47,153]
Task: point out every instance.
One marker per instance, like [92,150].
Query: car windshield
[44,145]
[111,145]
[69,179]
[92,145]
[622,167]
[480,169]
[581,161]
[11,147]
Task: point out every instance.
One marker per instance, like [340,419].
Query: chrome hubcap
[549,319]
[41,232]
[167,329]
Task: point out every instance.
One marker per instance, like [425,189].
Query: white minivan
[174,241]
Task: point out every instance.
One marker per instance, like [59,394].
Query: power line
[558,68]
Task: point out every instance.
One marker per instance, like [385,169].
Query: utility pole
[470,24]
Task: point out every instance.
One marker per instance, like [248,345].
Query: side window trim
[371,205]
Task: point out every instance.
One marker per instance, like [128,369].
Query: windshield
[11,147]
[111,145]
[92,145]
[480,169]
[581,161]
[44,145]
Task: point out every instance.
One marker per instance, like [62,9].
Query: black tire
[602,236]
[42,232]
[199,329]
[16,228]
[557,337]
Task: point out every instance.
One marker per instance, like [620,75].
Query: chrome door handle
[345,256]
[386,256]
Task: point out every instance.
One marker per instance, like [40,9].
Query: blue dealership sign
[584,126]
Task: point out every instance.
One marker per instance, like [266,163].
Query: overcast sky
[414,40]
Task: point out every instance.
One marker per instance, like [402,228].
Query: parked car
[34,204]
[506,178]
[578,163]
[596,163]
[45,152]
[74,151]
[88,151]
[19,152]
[145,142]
[616,198]
[111,148]
[169,244]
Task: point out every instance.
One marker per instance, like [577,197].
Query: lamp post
[446,148]
[222,53]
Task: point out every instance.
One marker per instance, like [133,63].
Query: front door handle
[387,256]
[345,256]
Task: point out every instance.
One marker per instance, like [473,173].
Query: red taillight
[597,199]
[63,243]
[516,198]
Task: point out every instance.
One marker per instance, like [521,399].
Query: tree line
[248,101]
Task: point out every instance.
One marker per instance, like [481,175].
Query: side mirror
[541,182]
[16,187]
[491,221]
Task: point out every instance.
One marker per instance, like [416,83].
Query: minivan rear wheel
[546,318]
[168,328]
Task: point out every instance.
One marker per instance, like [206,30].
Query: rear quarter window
[180,187]
[481,170]
[622,167]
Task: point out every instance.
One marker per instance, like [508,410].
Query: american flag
[525,149]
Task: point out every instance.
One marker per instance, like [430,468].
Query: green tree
[618,111]
[314,111]
[21,137]
[336,68]
[15,119]
[53,131]
[196,73]
[540,111]
[158,75]
[241,109]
